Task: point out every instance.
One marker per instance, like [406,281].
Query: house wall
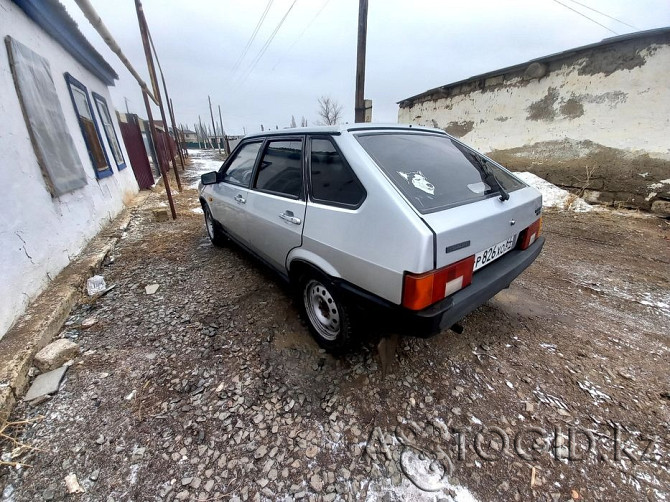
[40,234]
[598,119]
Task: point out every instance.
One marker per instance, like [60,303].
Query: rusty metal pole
[144,31]
[211,114]
[154,138]
[360,61]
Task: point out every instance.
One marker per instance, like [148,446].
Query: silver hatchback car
[404,223]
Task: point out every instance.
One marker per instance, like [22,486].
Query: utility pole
[144,32]
[359,110]
[126,100]
[226,145]
[211,114]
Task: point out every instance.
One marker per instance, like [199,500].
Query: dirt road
[212,389]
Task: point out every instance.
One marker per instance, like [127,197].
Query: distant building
[594,118]
[65,170]
[189,137]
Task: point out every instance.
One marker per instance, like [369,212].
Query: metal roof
[52,17]
[544,59]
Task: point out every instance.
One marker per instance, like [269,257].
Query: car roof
[339,129]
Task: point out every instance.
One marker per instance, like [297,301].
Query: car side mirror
[210,178]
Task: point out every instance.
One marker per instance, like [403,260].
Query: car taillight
[529,235]
[422,290]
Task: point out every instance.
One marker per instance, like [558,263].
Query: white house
[64,170]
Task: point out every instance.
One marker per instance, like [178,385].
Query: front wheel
[213,232]
[329,318]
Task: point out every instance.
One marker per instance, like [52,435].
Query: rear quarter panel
[371,246]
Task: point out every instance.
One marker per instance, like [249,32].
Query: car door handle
[240,199]
[288,216]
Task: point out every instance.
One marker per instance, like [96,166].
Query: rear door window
[333,181]
[240,169]
[280,169]
[434,172]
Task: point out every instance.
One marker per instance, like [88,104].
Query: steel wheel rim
[209,223]
[322,310]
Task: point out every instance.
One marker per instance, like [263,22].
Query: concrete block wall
[595,120]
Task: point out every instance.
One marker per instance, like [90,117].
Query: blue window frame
[89,127]
[110,132]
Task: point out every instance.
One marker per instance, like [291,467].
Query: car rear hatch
[473,205]
[487,228]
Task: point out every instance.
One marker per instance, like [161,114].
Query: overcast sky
[413,45]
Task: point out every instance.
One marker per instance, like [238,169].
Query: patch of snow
[644,175]
[423,480]
[197,210]
[553,196]
[593,391]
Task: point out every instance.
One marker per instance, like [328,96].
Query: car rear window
[333,181]
[433,171]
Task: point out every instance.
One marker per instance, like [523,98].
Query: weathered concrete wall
[39,234]
[597,119]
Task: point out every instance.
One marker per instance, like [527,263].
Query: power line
[606,15]
[253,36]
[266,45]
[587,17]
[303,32]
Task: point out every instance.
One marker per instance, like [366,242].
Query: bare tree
[293,124]
[303,122]
[330,111]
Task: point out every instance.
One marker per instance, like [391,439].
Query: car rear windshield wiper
[483,164]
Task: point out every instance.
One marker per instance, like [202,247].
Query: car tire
[213,231]
[328,317]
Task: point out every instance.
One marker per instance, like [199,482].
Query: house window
[89,127]
[110,133]
[54,148]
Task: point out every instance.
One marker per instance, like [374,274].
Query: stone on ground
[56,354]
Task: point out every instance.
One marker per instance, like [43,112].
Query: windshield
[436,172]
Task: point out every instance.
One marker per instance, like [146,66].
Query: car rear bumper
[486,283]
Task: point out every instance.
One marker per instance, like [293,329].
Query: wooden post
[174,129]
[154,138]
[144,32]
[226,145]
[360,61]
[211,114]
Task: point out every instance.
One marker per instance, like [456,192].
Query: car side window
[280,169]
[333,181]
[242,166]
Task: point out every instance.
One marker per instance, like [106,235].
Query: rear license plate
[493,253]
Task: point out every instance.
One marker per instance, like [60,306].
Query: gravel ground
[212,389]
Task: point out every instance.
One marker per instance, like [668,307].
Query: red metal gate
[139,160]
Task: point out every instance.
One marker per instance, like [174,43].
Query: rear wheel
[213,231]
[328,316]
